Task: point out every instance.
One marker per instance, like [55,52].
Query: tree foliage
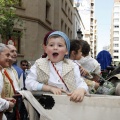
[8,19]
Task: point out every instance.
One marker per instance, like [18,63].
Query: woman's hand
[11,100]
[11,105]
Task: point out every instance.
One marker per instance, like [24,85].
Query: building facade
[93,29]
[86,9]
[40,17]
[115,33]
[77,24]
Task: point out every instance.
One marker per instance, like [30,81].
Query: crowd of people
[65,67]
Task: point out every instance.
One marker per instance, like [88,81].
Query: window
[116,32]
[116,57]
[62,25]
[68,32]
[76,27]
[69,12]
[65,28]
[116,14]
[116,38]
[116,45]
[48,11]
[63,5]
[16,39]
[71,15]
[116,26]
[116,8]
[116,51]
[66,6]
[116,20]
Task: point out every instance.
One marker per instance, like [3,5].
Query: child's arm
[31,80]
[33,84]
[52,89]
[82,88]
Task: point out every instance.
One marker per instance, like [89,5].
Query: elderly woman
[7,103]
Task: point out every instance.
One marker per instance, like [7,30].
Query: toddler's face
[56,49]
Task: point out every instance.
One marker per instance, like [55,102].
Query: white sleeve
[4,105]
[21,81]
[31,80]
[1,82]
[78,78]
[97,69]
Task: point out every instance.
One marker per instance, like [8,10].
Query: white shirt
[4,105]
[90,64]
[1,82]
[54,80]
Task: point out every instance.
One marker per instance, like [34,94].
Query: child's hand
[52,89]
[77,95]
[56,91]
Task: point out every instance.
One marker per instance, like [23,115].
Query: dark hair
[85,47]
[45,42]
[23,61]
[75,45]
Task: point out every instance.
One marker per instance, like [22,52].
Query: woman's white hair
[2,47]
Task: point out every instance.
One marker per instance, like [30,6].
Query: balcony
[92,1]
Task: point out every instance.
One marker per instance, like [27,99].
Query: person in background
[24,67]
[17,68]
[11,82]
[10,74]
[13,51]
[89,63]
[56,73]
[27,71]
[76,54]
[5,103]
[13,86]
